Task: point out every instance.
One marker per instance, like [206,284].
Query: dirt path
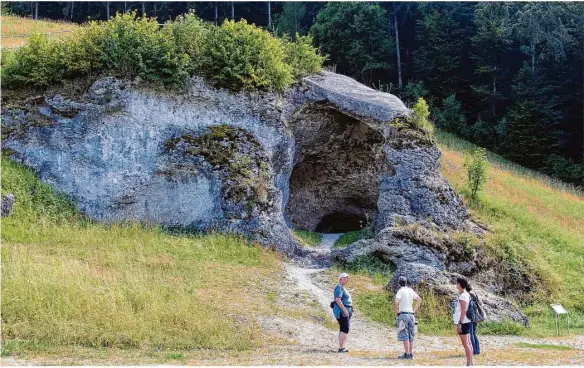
[306,334]
[328,240]
[314,343]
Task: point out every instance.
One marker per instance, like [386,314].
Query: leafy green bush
[414,90]
[476,165]
[190,34]
[136,47]
[237,55]
[240,56]
[39,63]
[302,56]
[85,49]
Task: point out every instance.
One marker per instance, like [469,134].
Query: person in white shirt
[404,310]
[463,324]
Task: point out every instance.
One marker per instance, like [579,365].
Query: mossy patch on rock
[405,134]
[241,162]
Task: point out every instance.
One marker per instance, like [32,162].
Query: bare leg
[342,340]
[411,347]
[407,347]
[464,339]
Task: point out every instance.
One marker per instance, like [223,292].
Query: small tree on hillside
[476,165]
[420,116]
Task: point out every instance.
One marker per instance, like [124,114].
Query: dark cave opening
[339,222]
[339,160]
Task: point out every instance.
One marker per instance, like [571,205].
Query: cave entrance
[339,161]
[338,222]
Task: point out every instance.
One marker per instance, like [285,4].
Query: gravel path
[311,342]
[328,240]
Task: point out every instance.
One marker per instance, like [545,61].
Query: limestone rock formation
[330,155]
[444,283]
[318,157]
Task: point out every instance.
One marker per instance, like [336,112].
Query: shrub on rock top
[236,55]
[240,56]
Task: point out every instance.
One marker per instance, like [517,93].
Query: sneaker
[405,356]
[410,356]
[343,350]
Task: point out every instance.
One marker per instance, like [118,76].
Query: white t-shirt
[406,297]
[456,317]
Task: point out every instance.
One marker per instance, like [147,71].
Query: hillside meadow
[532,218]
[17,30]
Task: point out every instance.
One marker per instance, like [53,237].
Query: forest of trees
[506,76]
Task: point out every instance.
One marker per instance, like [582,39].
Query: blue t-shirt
[341,292]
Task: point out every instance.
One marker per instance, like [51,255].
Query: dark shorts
[345,322]
[465,330]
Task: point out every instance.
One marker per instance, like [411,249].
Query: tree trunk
[399,71]
[533,59]
[36,10]
[71,15]
[143,9]
[295,23]
[107,10]
[216,15]
[232,10]
[269,15]
[124,7]
[494,91]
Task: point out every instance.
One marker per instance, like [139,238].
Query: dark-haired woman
[463,324]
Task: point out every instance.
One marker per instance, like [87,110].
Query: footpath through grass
[307,238]
[67,282]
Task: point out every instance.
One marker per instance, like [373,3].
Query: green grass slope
[67,282]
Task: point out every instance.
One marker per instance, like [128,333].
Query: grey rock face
[7,204]
[416,191]
[353,97]
[392,248]
[444,283]
[107,151]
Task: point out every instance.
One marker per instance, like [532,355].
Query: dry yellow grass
[15,30]
[546,204]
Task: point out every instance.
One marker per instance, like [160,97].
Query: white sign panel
[559,309]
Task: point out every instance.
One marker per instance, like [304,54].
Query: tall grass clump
[236,55]
[69,282]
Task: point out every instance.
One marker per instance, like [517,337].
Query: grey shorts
[409,330]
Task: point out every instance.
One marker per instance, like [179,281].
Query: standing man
[463,324]
[404,309]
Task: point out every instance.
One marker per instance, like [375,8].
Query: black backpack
[472,311]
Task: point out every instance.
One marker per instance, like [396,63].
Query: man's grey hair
[402,281]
